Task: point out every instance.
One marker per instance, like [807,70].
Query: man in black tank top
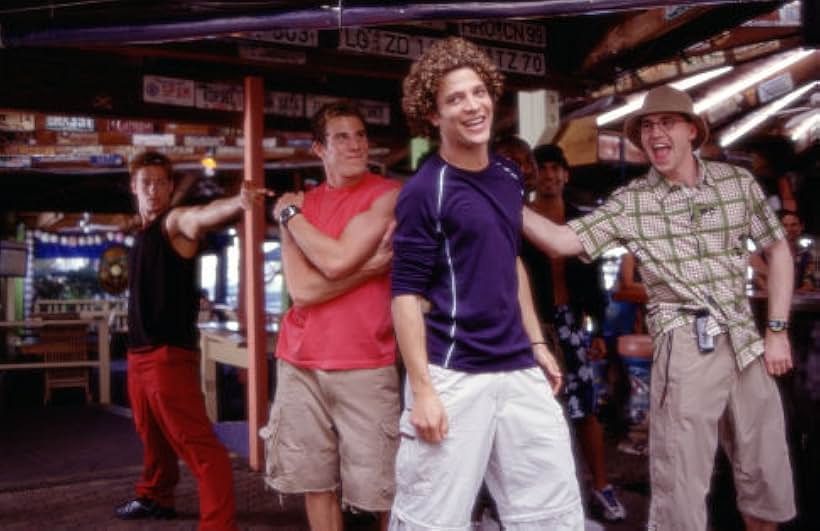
[163,361]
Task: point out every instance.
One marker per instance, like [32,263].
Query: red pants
[169,414]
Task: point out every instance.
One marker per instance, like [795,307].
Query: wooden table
[103,363]
[222,343]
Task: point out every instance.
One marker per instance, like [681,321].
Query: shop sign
[16,121]
[775,87]
[294,37]
[375,112]
[267,143]
[204,141]
[508,32]
[70,123]
[153,140]
[750,51]
[672,13]
[187,129]
[273,55]
[230,151]
[106,160]
[392,44]
[384,43]
[219,96]
[129,126]
[169,90]
[61,158]
[77,139]
[15,161]
[702,62]
[517,61]
[658,72]
[285,104]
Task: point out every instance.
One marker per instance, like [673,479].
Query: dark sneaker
[607,504]
[139,508]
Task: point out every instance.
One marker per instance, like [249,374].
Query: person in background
[334,421]
[687,221]
[567,294]
[163,358]
[478,405]
[804,257]
[518,150]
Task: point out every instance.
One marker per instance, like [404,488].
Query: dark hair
[511,142]
[150,158]
[781,214]
[550,153]
[330,110]
[420,86]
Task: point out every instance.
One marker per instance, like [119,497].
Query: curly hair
[421,85]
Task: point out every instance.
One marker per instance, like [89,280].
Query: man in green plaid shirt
[687,221]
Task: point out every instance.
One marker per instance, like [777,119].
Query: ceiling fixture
[684,84]
[771,67]
[761,115]
[209,163]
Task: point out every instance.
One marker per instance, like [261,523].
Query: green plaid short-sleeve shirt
[691,247]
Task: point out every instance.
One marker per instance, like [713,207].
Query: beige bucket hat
[661,100]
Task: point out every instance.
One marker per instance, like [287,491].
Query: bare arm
[555,240]
[307,286]
[531,325]
[428,416]
[338,257]
[185,226]
[781,283]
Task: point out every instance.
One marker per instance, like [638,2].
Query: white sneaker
[607,504]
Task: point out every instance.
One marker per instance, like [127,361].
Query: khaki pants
[709,400]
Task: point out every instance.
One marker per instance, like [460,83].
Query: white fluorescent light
[761,115]
[683,84]
[772,66]
[805,126]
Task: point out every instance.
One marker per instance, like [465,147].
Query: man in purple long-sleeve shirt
[478,404]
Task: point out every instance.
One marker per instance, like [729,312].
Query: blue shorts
[580,393]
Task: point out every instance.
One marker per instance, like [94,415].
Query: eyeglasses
[666,124]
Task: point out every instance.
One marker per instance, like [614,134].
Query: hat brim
[632,128]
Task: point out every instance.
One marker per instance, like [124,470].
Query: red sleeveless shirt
[353,330]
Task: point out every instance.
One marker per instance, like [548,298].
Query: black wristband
[539,343]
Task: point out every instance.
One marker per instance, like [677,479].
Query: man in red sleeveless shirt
[163,358]
[334,420]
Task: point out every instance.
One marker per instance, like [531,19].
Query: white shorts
[505,428]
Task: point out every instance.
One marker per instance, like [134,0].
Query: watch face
[776,325]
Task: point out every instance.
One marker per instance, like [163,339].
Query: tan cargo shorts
[708,400]
[334,429]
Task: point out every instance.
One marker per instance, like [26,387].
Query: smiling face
[666,139]
[464,115]
[551,180]
[152,186]
[344,150]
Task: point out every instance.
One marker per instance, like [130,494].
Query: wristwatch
[777,325]
[287,213]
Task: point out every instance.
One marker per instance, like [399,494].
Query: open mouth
[475,124]
[661,151]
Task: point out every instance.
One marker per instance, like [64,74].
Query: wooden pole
[252,262]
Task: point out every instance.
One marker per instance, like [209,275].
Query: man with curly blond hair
[478,400]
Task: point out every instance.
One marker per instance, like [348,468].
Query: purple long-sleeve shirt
[457,238]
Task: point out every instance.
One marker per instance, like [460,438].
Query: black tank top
[162,301]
